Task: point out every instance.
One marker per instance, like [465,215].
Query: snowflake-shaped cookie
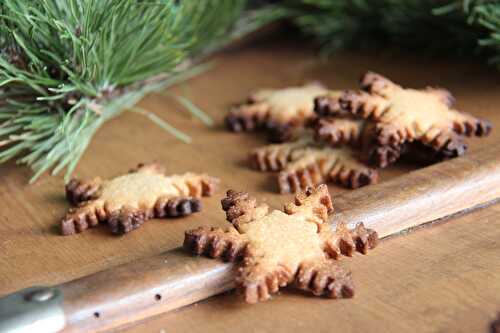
[406,115]
[363,134]
[280,111]
[382,156]
[337,131]
[304,163]
[279,248]
[127,201]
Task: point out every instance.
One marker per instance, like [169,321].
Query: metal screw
[42,295]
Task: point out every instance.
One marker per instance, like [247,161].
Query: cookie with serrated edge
[406,115]
[279,248]
[338,131]
[279,111]
[127,201]
[304,163]
[361,134]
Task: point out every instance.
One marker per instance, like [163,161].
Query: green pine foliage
[66,67]
[485,15]
[449,27]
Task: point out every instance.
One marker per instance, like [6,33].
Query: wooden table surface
[444,278]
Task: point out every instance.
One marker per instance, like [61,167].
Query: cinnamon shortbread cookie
[279,248]
[329,105]
[362,134]
[127,201]
[336,131]
[415,151]
[407,115]
[304,163]
[279,111]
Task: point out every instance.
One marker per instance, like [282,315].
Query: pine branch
[66,67]
[486,15]
[445,26]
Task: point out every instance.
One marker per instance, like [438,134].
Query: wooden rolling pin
[150,286]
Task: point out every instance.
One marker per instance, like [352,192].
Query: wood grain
[150,286]
[425,195]
[141,289]
[436,279]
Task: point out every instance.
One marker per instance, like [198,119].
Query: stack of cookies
[343,136]
[394,121]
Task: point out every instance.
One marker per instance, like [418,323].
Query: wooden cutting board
[442,278]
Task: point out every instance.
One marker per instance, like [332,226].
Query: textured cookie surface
[336,131]
[125,202]
[335,128]
[278,110]
[304,163]
[141,189]
[406,115]
[279,248]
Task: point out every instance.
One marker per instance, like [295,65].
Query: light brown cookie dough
[363,134]
[279,248]
[304,163]
[406,115]
[337,131]
[279,111]
[127,201]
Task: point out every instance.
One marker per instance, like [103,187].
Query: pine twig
[67,67]
[463,27]
[163,124]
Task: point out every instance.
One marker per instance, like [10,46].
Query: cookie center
[136,190]
[284,239]
[426,110]
[294,102]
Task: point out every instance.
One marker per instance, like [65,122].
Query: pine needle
[67,67]
[163,124]
[459,27]
[192,108]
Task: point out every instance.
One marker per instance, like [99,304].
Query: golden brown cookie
[406,115]
[329,105]
[279,111]
[127,201]
[336,131]
[304,163]
[279,248]
[416,151]
[362,134]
